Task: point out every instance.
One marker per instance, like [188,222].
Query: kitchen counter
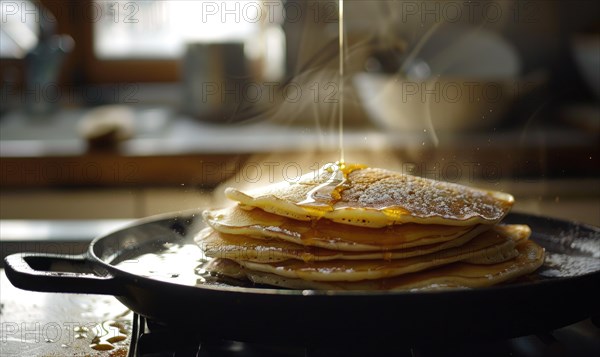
[49,324]
[169,149]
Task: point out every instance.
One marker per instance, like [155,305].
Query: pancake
[517,232]
[324,233]
[458,275]
[349,227]
[240,247]
[371,197]
[497,242]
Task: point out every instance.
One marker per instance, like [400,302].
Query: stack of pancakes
[349,227]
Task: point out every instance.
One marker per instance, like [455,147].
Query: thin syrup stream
[341,80]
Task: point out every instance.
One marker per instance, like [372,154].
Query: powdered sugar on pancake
[379,188]
[372,197]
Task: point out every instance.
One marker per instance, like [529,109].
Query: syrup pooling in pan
[176,263]
[184,264]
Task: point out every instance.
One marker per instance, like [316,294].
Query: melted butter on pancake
[376,198]
[324,195]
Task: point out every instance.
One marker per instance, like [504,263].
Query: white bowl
[441,104]
[471,79]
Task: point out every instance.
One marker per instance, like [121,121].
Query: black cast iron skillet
[257,313]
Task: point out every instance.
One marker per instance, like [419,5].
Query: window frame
[73,18]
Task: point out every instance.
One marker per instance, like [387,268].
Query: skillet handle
[59,273]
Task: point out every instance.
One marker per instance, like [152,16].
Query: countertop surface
[52,324]
[160,131]
[167,148]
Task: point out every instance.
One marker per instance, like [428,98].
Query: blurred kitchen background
[125,109]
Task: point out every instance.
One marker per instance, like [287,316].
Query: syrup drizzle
[322,194]
[341,80]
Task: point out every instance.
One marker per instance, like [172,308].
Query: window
[161,29]
[140,40]
[19,32]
